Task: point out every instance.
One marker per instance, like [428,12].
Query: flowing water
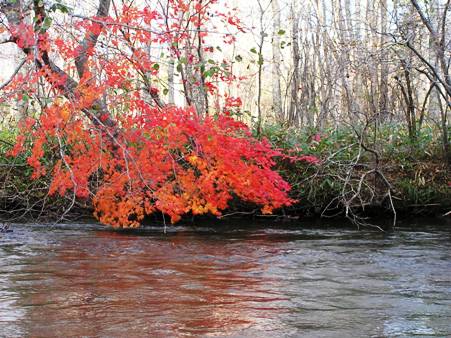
[241,281]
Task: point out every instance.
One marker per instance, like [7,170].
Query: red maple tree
[112,138]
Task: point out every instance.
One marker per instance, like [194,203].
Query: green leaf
[156,66]
[46,24]
[165,91]
[281,32]
[253,50]
[210,72]
[239,58]
[60,7]
[179,68]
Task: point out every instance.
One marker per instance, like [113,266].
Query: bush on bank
[365,170]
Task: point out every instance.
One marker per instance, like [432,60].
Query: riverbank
[363,174]
[354,177]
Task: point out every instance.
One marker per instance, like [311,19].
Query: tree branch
[7,82]
[425,20]
[65,83]
[91,39]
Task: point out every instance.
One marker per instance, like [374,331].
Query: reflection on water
[236,281]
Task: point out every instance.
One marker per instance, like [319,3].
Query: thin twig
[8,81]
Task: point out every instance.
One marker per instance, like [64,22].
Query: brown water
[251,281]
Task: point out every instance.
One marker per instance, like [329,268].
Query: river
[251,280]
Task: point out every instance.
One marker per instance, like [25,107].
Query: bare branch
[8,81]
[425,20]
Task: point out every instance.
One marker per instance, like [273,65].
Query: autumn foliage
[170,160]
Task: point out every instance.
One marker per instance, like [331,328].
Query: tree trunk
[295,112]
[383,86]
[277,59]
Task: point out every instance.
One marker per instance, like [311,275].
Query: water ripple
[82,280]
